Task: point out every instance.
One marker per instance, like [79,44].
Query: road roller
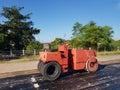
[53,63]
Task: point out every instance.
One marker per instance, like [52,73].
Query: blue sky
[56,18]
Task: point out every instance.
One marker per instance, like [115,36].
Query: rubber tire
[51,71]
[91,66]
[40,66]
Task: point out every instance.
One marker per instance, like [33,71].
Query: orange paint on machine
[52,64]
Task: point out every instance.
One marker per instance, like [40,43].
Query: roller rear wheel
[91,66]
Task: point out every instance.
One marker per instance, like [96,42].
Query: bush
[34,45]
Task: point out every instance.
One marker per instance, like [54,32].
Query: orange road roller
[53,63]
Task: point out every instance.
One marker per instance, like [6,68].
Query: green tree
[17,27]
[2,40]
[90,35]
[56,42]
[3,36]
[115,45]
[118,44]
[34,45]
[76,39]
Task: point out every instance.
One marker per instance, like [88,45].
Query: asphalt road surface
[106,78]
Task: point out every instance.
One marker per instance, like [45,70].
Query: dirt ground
[109,59]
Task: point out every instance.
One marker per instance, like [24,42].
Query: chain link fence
[14,54]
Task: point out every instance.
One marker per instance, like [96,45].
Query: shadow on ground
[70,72]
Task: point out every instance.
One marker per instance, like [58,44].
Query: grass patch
[108,53]
[21,59]
[36,57]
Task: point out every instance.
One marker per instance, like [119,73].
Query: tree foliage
[16,28]
[56,42]
[115,45]
[90,35]
[34,45]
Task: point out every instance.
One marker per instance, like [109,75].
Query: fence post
[118,48]
[23,52]
[34,51]
[89,48]
[105,49]
[11,54]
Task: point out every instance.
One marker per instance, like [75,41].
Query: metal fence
[17,53]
